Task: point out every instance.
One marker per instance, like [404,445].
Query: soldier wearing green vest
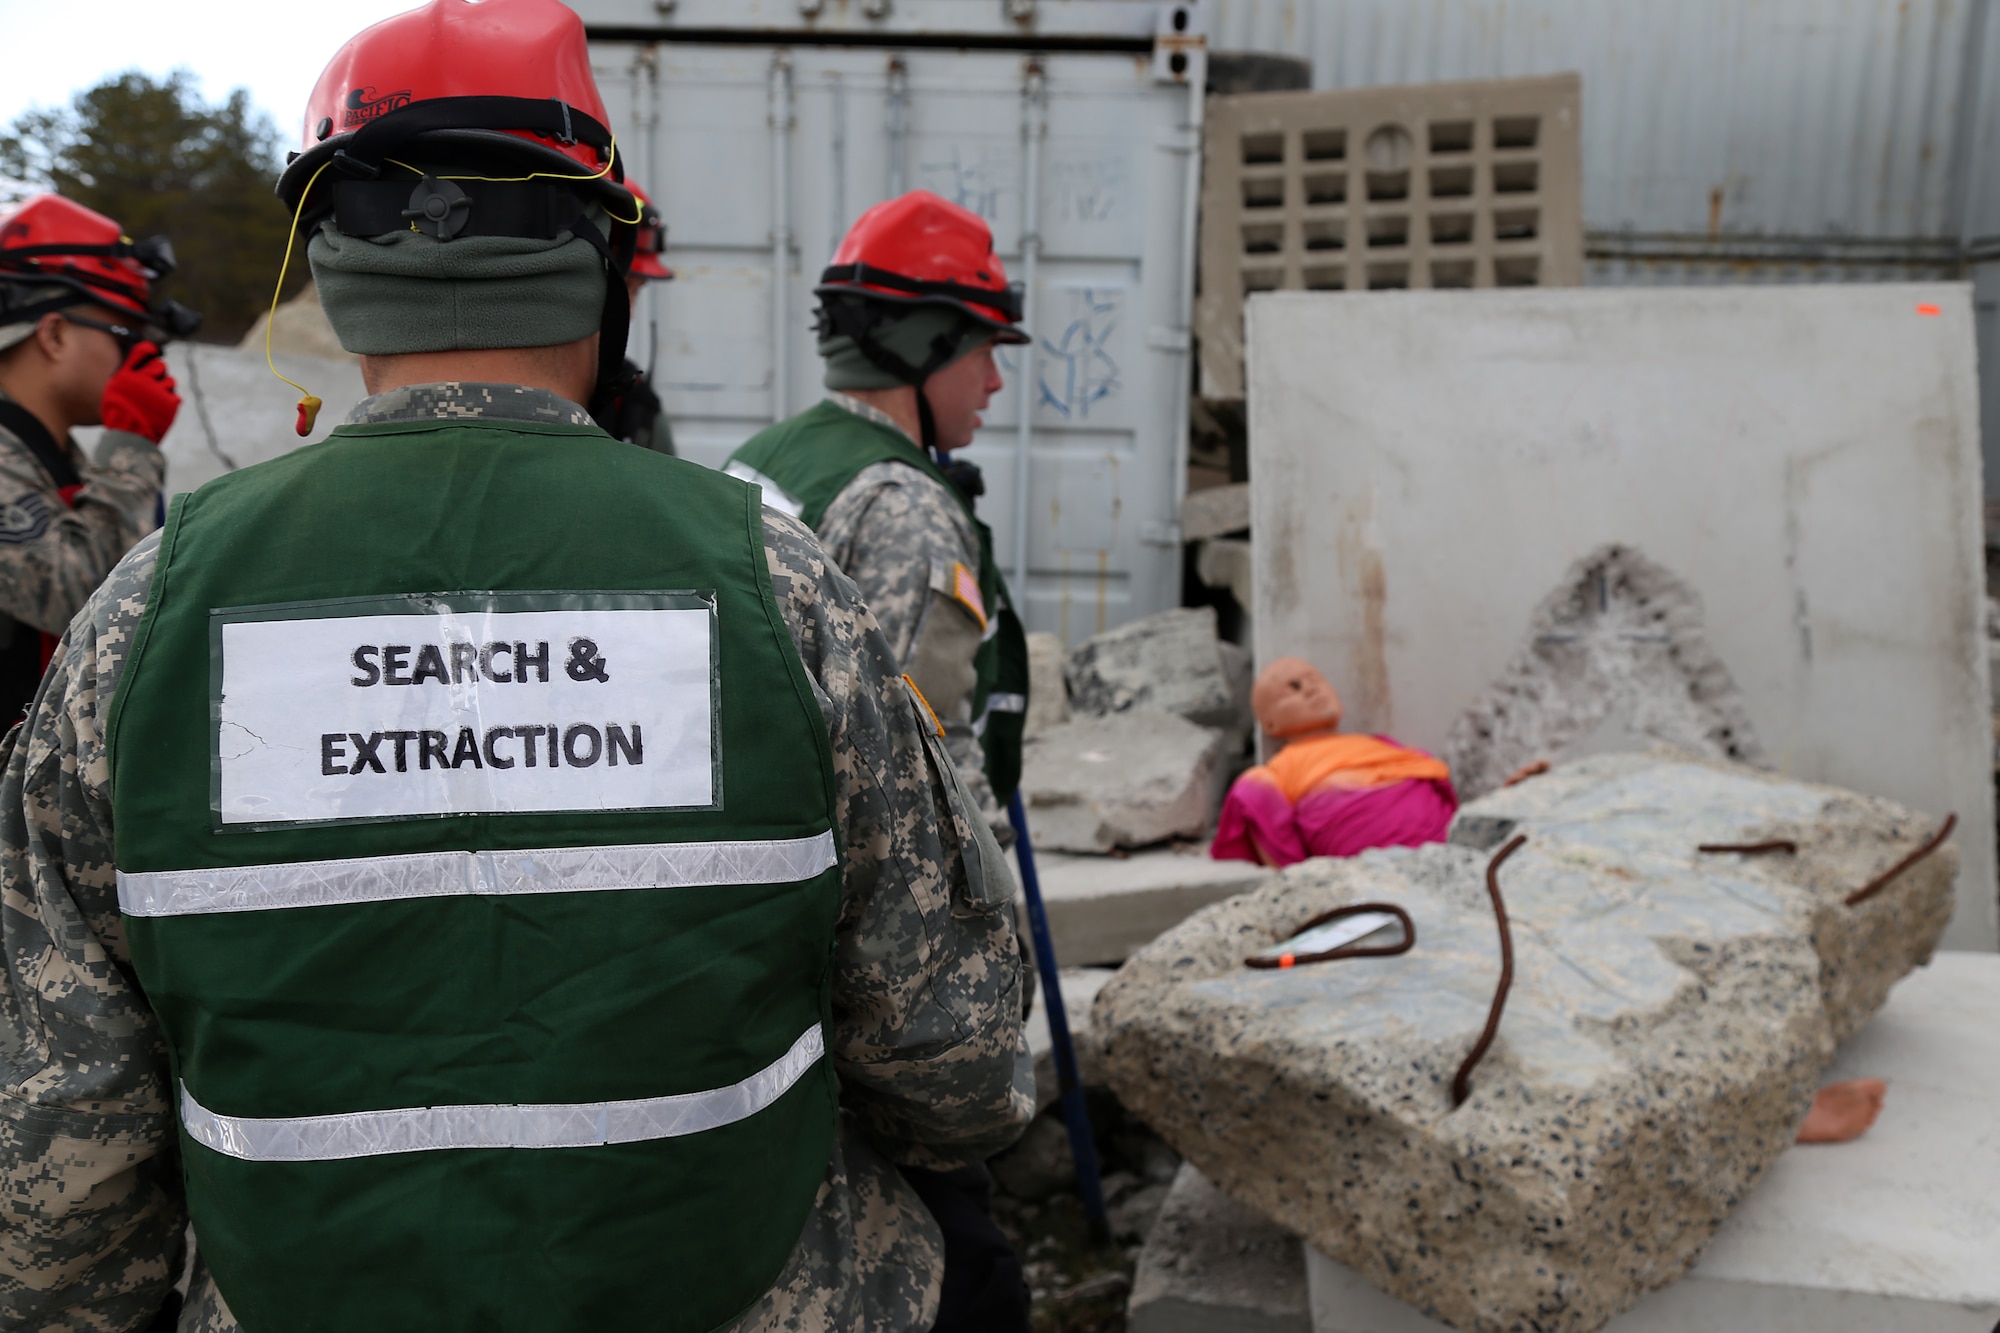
[475,873]
[911,310]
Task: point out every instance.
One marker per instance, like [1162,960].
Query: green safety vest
[475,839]
[812,458]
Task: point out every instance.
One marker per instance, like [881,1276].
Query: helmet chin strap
[926,421]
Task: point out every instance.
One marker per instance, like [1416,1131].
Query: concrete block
[1210,1265]
[1215,511]
[1671,1013]
[1224,562]
[1048,694]
[1104,909]
[1617,658]
[1367,189]
[1079,986]
[1125,780]
[1806,458]
[1895,1231]
[235,411]
[1169,661]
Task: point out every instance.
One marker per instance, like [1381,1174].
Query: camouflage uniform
[895,531]
[926,1036]
[54,554]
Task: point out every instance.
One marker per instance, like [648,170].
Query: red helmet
[923,250]
[646,258]
[486,79]
[52,242]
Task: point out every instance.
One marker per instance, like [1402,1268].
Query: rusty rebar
[1883,880]
[1460,1083]
[1785,845]
[1355,950]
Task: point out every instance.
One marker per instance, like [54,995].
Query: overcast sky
[276,50]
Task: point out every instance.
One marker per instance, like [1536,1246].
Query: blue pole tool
[1075,1113]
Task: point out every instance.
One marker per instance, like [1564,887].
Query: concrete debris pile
[1672,1011]
[1158,713]
[1171,661]
[237,412]
[1616,654]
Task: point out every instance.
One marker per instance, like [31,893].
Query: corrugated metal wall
[1748,138]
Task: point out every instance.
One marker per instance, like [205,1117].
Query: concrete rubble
[1171,661]
[1048,695]
[1617,654]
[1896,1230]
[1215,511]
[1125,780]
[1080,986]
[1102,909]
[236,412]
[1157,713]
[1211,1265]
[1671,1015]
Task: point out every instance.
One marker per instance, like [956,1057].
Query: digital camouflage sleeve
[926,1035]
[897,532]
[53,555]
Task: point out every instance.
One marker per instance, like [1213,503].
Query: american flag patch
[965,589]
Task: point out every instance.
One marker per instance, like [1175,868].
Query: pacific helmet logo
[363,105]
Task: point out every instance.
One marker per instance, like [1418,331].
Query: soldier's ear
[52,335]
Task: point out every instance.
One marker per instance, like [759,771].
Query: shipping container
[763,129]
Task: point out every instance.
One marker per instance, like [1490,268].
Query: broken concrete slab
[1671,1015]
[1616,658]
[1048,693]
[236,412]
[1896,1230]
[1210,1265]
[1215,511]
[1171,661]
[1104,909]
[1225,562]
[1125,780]
[1079,986]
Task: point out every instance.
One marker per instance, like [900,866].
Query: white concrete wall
[1426,465]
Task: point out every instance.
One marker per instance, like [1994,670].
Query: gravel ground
[1080,1286]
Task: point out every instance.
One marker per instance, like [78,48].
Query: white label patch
[473,712]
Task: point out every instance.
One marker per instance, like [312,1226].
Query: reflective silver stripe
[377,879]
[1006,703]
[329,1138]
[774,495]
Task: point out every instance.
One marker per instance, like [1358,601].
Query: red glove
[140,398]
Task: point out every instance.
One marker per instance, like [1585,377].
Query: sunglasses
[128,338]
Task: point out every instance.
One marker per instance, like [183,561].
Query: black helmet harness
[363,203]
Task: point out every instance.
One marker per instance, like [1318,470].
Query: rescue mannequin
[430,1002]
[1326,793]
